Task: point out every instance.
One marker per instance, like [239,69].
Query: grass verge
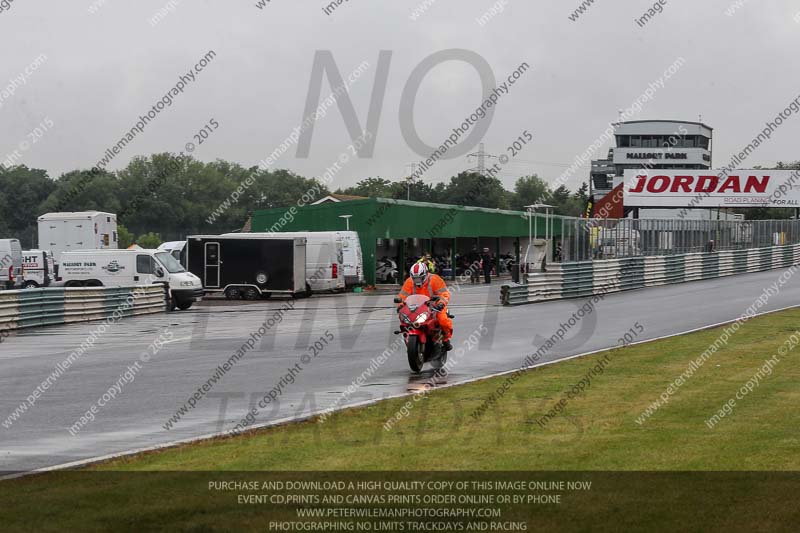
[597,430]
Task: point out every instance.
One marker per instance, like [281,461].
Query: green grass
[596,432]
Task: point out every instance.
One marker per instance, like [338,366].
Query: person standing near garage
[474,264]
[486,263]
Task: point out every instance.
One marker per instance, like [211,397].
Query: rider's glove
[439,304]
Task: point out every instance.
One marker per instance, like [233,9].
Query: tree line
[167,196]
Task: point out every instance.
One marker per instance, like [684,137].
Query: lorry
[10,264]
[127,268]
[249,265]
[86,230]
[38,269]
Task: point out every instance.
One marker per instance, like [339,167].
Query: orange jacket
[435,287]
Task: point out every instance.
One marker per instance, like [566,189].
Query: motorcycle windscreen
[415,300]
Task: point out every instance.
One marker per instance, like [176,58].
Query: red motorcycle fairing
[418,333]
[419,325]
[415,306]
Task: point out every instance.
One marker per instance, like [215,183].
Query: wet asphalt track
[206,336]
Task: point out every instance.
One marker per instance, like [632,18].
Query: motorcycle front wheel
[416,353]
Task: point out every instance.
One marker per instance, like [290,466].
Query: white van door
[211,272]
[145,266]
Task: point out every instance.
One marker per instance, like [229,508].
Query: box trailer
[240,265]
[86,230]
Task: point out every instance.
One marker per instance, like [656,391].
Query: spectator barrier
[42,307]
[587,278]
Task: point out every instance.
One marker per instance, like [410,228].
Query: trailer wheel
[251,294]
[233,293]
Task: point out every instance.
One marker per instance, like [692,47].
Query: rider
[423,282]
[428,262]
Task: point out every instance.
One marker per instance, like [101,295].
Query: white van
[324,257]
[353,261]
[177,249]
[10,264]
[127,268]
[620,241]
[38,269]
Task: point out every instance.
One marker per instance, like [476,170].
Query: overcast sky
[105,69]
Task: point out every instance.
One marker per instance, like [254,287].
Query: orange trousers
[446,323]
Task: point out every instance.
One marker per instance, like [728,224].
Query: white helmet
[419,273]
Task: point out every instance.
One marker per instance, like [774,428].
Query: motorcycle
[421,332]
[505,264]
[386,271]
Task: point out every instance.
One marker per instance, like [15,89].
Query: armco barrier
[587,278]
[42,307]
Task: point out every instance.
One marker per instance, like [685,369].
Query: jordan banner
[712,188]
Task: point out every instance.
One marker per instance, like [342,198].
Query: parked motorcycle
[421,332]
[386,271]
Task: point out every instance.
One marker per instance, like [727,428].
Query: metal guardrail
[581,239]
[42,307]
[588,278]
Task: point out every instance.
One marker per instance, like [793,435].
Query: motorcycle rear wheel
[416,354]
[440,361]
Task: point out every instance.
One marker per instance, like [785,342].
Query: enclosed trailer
[352,263]
[252,266]
[85,230]
[325,257]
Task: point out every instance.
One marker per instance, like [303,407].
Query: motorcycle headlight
[405,319]
[421,319]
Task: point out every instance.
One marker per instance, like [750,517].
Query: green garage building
[400,229]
